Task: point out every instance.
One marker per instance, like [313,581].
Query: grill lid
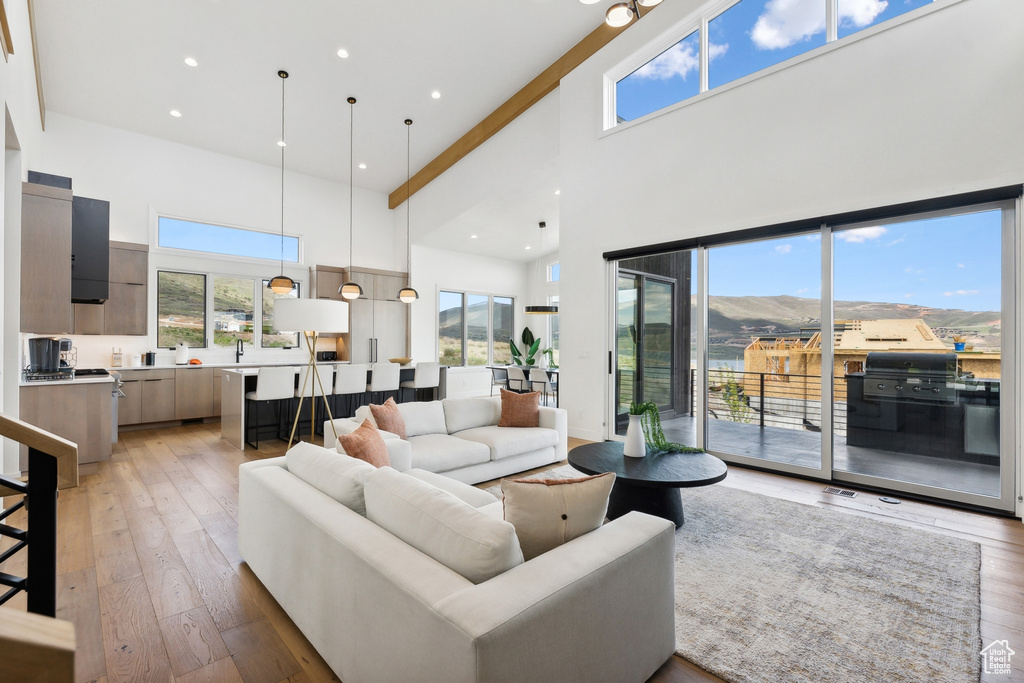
[906,364]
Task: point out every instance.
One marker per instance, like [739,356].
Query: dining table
[552,374]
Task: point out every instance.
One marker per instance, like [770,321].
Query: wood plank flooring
[150,574]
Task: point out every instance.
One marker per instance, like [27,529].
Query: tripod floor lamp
[312,317]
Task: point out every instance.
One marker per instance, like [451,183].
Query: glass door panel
[919,354]
[627,336]
[657,343]
[763,399]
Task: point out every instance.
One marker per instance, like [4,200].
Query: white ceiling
[121,63]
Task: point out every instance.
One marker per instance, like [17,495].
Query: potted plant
[531,345]
[648,422]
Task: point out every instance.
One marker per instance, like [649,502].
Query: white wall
[928,108]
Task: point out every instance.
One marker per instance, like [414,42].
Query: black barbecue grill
[926,377]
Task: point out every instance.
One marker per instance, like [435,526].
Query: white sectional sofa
[598,608]
[459,437]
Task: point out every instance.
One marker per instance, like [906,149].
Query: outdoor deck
[793,446]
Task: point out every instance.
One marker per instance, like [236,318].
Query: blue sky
[950,262]
[217,239]
[747,37]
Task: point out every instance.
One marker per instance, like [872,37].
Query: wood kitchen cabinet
[129,406]
[148,396]
[193,393]
[46,260]
[124,312]
[78,412]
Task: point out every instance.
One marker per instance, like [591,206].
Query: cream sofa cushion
[467,413]
[504,442]
[478,498]
[441,526]
[338,475]
[423,417]
[440,452]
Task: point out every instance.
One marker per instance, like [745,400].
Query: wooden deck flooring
[150,574]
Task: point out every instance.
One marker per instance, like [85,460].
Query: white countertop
[89,379]
[171,366]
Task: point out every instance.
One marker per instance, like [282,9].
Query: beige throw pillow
[519,410]
[366,444]
[549,512]
[388,418]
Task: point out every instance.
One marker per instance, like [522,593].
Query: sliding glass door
[881,355]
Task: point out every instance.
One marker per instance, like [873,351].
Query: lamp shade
[310,315]
[619,15]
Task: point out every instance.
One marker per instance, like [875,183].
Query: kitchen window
[474,329]
[206,238]
[187,302]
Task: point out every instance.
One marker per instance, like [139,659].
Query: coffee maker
[44,359]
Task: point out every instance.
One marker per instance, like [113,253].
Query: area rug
[772,590]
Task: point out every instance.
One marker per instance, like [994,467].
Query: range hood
[90,250]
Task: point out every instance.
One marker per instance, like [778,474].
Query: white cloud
[803,290]
[787,22]
[858,235]
[961,292]
[960,265]
[783,248]
[895,241]
[909,296]
[679,60]
[815,237]
[912,270]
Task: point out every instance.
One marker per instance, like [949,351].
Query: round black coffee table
[648,484]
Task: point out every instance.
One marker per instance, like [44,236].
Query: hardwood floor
[150,574]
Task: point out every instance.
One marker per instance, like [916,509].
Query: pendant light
[282,284]
[545,309]
[407,294]
[350,290]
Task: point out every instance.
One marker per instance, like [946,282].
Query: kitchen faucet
[239,352]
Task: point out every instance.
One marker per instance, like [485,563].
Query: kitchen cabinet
[193,393]
[218,374]
[129,406]
[76,412]
[46,260]
[326,281]
[158,399]
[377,330]
[124,312]
[149,396]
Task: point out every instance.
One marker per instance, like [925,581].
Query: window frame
[208,306]
[465,294]
[698,20]
[551,272]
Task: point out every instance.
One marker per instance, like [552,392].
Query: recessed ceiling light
[436,94]
[175,113]
[343,53]
[558,192]
[589,2]
[282,143]
[527,246]
[191,61]
[362,166]
[472,237]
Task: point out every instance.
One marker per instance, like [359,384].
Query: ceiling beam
[529,95]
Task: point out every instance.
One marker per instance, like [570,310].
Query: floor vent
[841,492]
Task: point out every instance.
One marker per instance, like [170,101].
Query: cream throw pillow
[549,512]
[440,525]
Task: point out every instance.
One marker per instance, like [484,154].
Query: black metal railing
[39,539]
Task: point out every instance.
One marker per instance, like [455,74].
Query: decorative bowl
[400,361]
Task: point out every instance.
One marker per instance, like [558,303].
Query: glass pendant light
[282,284]
[407,294]
[350,290]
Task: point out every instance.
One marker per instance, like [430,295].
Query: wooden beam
[39,71]
[5,33]
[36,648]
[505,114]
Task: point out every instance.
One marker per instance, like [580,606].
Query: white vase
[634,447]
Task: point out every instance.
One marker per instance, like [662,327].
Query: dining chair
[425,376]
[499,378]
[539,377]
[384,378]
[517,379]
[350,385]
[273,385]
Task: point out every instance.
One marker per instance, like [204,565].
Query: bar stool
[384,378]
[540,376]
[326,373]
[349,382]
[273,385]
[499,378]
[516,379]
[425,376]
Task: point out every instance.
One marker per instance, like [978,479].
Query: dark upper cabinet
[90,250]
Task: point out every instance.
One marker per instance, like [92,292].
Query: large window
[175,233]
[474,329]
[746,37]
[180,309]
[186,300]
